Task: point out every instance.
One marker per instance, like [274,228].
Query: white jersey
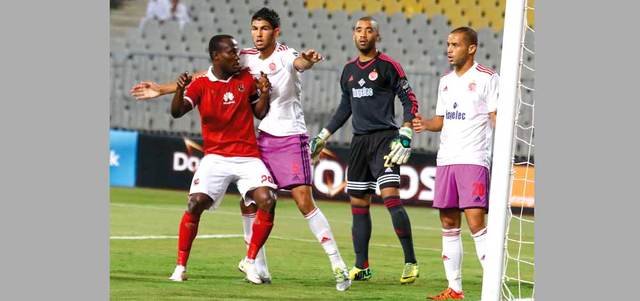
[285,116]
[465,102]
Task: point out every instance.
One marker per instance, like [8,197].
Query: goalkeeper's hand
[401,146]
[317,144]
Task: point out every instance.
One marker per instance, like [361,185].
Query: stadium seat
[199,8]
[320,21]
[314,4]
[373,6]
[335,5]
[414,33]
[439,26]
[392,6]
[412,7]
[456,16]
[353,6]
[476,18]
[341,20]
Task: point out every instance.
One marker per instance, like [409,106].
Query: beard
[367,48]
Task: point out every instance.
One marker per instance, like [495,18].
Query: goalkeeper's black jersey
[368,92]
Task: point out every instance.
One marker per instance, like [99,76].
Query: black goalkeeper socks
[402,226]
[361,233]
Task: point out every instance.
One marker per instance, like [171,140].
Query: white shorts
[215,173]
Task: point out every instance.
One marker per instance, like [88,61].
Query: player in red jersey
[224,97]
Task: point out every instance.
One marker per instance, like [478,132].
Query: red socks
[262,226]
[186,235]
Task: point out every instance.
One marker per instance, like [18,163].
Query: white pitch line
[145,237]
[209,236]
[218,211]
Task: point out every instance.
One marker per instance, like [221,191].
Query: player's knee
[449,223]
[305,203]
[252,208]
[265,199]
[199,202]
[475,228]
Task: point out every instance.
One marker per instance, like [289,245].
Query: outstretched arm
[306,60]
[149,90]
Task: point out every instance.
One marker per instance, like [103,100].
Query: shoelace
[407,270]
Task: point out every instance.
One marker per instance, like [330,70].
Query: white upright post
[502,165]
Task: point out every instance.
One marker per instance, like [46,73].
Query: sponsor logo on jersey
[455,115]
[472,86]
[227,99]
[362,92]
[373,75]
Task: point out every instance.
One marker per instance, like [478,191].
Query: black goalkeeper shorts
[367,168]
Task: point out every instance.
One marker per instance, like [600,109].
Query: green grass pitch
[139,268]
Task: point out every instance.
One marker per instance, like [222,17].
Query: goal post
[503,148]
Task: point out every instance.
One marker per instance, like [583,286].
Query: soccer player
[465,115]
[370,84]
[224,97]
[282,137]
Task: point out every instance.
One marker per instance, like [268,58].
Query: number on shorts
[478,189]
[266,178]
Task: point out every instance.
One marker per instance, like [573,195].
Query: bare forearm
[168,88]
[302,64]
[178,104]
[261,107]
[433,124]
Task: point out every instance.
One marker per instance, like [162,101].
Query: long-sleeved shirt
[368,92]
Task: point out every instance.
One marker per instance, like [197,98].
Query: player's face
[458,50]
[226,59]
[365,36]
[263,34]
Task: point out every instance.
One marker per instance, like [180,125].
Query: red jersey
[226,114]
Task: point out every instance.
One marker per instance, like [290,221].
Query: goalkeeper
[370,84]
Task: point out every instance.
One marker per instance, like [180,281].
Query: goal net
[509,273]
[518,275]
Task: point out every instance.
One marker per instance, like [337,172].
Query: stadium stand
[413,32]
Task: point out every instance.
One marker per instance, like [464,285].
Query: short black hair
[470,35]
[214,43]
[268,15]
[373,21]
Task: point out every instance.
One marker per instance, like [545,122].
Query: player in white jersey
[282,136]
[465,115]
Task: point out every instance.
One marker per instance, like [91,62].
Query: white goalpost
[509,265]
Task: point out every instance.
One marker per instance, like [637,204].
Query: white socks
[247,223]
[322,231]
[480,238]
[452,257]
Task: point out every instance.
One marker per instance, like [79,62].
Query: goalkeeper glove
[317,144]
[401,146]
